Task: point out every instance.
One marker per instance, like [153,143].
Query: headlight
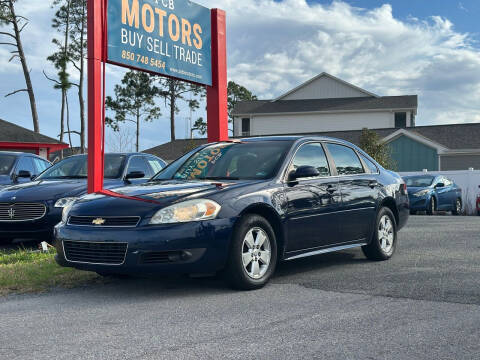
[64,202]
[65,212]
[421,192]
[192,210]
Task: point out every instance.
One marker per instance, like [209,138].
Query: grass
[28,271]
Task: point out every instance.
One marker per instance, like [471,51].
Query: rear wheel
[253,254]
[432,206]
[384,240]
[457,209]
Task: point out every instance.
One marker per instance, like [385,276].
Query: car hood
[45,190]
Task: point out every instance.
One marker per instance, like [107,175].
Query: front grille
[21,211]
[95,253]
[127,221]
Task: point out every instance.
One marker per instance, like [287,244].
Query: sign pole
[217,97]
[95,107]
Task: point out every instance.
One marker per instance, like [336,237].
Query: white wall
[308,123]
[324,88]
[469,181]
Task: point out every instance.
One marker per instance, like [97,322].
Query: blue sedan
[431,193]
[18,168]
[241,207]
[31,210]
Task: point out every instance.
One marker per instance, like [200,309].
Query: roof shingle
[13,133]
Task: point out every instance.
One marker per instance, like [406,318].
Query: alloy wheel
[458,205]
[385,234]
[256,253]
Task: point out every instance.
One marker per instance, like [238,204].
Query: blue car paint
[48,192]
[212,238]
[11,178]
[445,197]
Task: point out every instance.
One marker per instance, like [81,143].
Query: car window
[419,181]
[137,164]
[346,160]
[312,155]
[40,164]
[26,164]
[447,182]
[6,164]
[372,168]
[155,165]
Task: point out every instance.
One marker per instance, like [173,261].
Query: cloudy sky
[397,47]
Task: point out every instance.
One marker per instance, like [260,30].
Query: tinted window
[137,164]
[155,164]
[419,181]
[40,164]
[448,182]
[6,164]
[247,160]
[312,155]
[26,164]
[401,120]
[346,160]
[76,167]
[372,168]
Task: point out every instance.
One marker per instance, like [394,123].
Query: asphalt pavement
[422,304]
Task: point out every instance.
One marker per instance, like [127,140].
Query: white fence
[468,180]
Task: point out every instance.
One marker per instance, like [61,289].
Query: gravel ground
[423,304]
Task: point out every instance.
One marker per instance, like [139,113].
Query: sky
[430,48]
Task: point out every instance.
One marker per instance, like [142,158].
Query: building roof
[454,137]
[326,105]
[13,133]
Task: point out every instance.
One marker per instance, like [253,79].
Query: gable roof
[13,133]
[319,76]
[326,105]
[453,137]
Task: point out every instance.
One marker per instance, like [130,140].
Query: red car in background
[478,203]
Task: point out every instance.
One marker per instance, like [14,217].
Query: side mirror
[135,175]
[24,174]
[304,172]
[440,185]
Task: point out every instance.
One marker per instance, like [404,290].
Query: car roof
[18,153]
[296,138]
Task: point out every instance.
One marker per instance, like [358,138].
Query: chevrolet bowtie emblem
[11,213]
[98,221]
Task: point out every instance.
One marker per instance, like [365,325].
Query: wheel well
[392,205]
[274,220]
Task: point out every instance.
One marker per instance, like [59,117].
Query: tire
[432,206]
[413,212]
[384,240]
[250,267]
[457,207]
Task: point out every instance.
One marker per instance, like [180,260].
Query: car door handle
[331,189]
[373,184]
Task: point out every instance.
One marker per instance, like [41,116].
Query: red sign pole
[95,107]
[217,101]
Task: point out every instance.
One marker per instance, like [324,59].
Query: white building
[324,103]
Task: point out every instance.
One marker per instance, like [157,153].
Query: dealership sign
[166,37]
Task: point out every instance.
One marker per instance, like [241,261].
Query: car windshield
[75,167]
[419,181]
[253,160]
[6,164]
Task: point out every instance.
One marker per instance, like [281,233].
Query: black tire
[457,207]
[413,212]
[374,250]
[235,272]
[432,206]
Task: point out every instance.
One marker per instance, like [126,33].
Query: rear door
[312,202]
[359,190]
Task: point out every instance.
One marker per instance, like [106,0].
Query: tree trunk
[26,72]
[172,110]
[81,84]
[138,130]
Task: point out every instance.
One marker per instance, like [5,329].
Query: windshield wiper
[218,178]
[69,177]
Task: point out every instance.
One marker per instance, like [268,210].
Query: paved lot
[423,304]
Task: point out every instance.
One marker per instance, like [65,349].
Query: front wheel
[384,240]
[457,210]
[253,254]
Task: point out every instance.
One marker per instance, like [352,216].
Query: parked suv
[17,168]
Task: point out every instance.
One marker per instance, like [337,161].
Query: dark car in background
[239,206]
[17,168]
[433,192]
[31,210]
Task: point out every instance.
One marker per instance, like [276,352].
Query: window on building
[401,120]
[246,127]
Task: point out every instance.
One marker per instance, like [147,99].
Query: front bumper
[419,203]
[197,247]
[41,229]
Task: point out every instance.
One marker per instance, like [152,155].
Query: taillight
[404,189]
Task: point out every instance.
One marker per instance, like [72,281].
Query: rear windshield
[419,181]
[76,168]
[230,161]
[6,164]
